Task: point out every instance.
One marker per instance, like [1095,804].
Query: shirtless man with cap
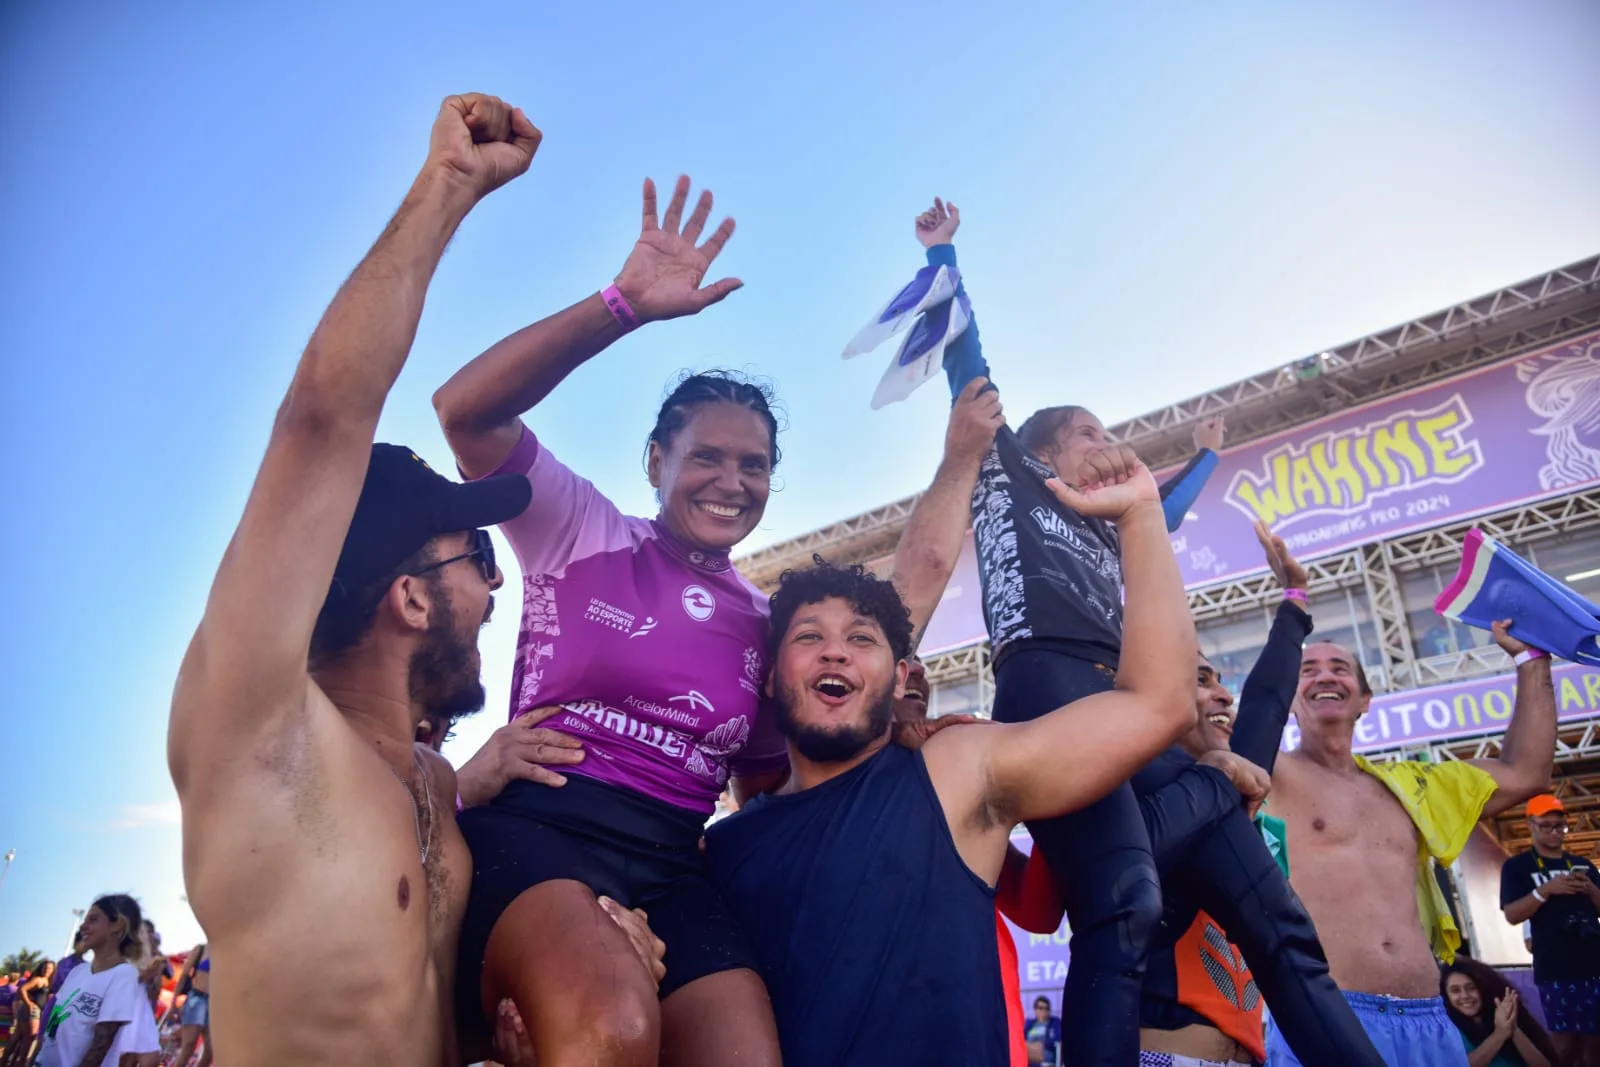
[1362,844]
[346,607]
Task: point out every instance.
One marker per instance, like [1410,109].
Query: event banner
[1512,433]
[1509,434]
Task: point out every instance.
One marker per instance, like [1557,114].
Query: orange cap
[1543,804]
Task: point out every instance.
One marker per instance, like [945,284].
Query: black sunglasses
[482,551]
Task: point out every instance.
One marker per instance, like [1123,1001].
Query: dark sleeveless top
[876,940]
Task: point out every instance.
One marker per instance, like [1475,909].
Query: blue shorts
[196,1010]
[1406,1033]
[1571,1007]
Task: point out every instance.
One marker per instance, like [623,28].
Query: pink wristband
[1529,655]
[1296,595]
[617,304]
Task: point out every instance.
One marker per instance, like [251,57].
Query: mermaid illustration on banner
[1564,390]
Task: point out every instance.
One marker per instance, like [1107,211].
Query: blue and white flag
[932,286]
[921,354]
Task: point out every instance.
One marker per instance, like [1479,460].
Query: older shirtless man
[345,609]
[1361,841]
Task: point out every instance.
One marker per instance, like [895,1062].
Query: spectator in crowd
[27,1012]
[101,1011]
[1496,1028]
[194,1018]
[1364,836]
[347,605]
[1559,893]
[1043,1034]
[8,997]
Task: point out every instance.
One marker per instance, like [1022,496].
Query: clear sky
[1157,198]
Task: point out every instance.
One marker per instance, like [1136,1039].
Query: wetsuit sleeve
[1268,692]
[963,357]
[1180,812]
[1180,491]
[567,518]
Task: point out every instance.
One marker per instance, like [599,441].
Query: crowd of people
[114,999]
[560,899]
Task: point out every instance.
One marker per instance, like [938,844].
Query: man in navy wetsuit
[1051,575]
[866,886]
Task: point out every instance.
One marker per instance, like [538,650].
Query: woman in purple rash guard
[654,647]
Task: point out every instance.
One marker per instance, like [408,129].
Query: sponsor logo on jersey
[695,699]
[698,602]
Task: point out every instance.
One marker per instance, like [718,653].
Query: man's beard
[445,678]
[823,745]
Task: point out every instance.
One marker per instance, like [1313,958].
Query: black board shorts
[640,852]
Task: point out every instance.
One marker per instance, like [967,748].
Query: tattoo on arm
[105,1035]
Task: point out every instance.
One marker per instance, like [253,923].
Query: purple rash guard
[656,650]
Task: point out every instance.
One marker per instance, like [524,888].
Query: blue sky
[1156,198]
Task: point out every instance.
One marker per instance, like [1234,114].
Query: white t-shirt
[88,998]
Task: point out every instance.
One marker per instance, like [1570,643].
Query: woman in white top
[101,1011]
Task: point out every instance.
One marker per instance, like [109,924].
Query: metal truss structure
[1475,333]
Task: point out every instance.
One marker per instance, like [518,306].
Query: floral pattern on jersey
[709,758]
[539,616]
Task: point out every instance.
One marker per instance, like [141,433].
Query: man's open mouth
[833,688]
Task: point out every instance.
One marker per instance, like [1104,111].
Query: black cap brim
[486,502]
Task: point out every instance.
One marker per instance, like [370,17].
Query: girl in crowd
[1497,1030]
[101,1011]
[195,1015]
[28,1011]
[655,647]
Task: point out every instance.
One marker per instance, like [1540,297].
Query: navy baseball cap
[405,504]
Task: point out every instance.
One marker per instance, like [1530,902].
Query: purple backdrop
[1516,432]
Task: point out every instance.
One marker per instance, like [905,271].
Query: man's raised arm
[1528,749]
[247,662]
[1076,754]
[926,555]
